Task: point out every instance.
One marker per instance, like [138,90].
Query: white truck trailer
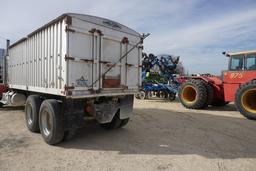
[73,68]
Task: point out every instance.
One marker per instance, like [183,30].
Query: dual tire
[45,117]
[193,94]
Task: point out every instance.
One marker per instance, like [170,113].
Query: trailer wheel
[51,122]
[245,100]
[148,94]
[141,95]
[124,122]
[32,108]
[137,96]
[116,122]
[193,94]
[172,96]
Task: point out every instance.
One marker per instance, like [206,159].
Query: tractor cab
[242,61]
[242,69]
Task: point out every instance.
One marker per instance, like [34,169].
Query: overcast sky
[197,30]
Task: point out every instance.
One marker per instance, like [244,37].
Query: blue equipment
[158,77]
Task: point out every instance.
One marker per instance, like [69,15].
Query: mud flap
[126,107]
[105,112]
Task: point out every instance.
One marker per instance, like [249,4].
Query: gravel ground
[161,136]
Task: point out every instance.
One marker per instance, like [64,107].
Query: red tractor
[237,84]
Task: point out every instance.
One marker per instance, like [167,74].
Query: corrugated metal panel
[35,64]
[2,53]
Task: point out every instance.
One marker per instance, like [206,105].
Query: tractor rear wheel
[245,100]
[193,94]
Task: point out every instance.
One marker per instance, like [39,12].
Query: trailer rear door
[92,49]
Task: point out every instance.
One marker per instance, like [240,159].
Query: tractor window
[237,62]
[251,62]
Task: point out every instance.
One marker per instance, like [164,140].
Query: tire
[171,96]
[51,122]
[32,108]
[193,94]
[137,96]
[142,95]
[124,122]
[210,94]
[115,123]
[245,100]
[147,95]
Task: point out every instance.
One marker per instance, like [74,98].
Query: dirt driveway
[161,136]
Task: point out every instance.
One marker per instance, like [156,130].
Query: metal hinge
[105,62]
[68,58]
[93,30]
[125,40]
[129,65]
[87,60]
[94,91]
[68,20]
[69,30]
[141,47]
[69,87]
[125,87]
[100,32]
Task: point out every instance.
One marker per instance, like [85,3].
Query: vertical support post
[5,62]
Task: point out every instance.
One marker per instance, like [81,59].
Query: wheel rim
[171,96]
[189,94]
[46,123]
[249,100]
[29,115]
[142,95]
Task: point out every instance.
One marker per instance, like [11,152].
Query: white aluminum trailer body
[68,56]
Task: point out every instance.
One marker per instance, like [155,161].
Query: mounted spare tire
[245,100]
[193,94]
